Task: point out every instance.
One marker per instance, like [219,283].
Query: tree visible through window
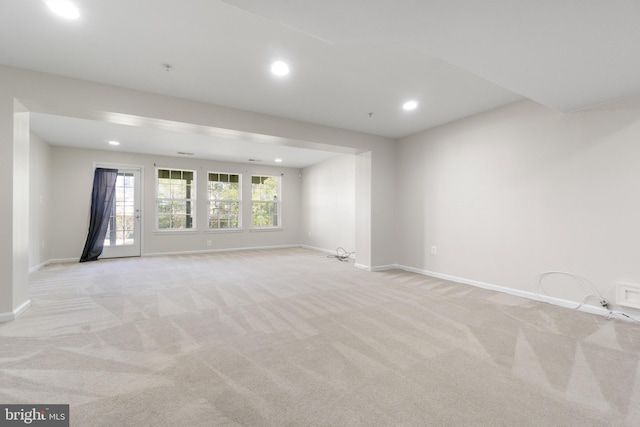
[176,199]
[224,200]
[265,203]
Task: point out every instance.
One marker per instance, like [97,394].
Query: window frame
[278,204]
[192,200]
[238,201]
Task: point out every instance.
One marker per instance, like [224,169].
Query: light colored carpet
[292,338]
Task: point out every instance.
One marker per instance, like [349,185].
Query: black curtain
[104,185]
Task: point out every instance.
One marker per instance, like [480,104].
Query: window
[224,200]
[120,231]
[265,204]
[176,199]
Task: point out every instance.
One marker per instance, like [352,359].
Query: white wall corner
[362,267]
[39,266]
[13,315]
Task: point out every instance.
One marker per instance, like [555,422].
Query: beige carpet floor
[289,337]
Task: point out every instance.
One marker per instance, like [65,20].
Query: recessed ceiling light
[410,105]
[63,8]
[278,160]
[114,143]
[279,68]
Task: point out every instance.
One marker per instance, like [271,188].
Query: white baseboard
[515,292]
[52,261]
[12,315]
[334,252]
[315,248]
[39,266]
[326,251]
[352,257]
[383,267]
[206,251]
[153,254]
[63,260]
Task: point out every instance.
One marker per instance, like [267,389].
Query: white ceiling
[347,58]
[176,141]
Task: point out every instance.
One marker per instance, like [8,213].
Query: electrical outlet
[208,242]
[434,250]
[628,295]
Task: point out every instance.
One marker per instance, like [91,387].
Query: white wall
[328,204]
[72,183]
[46,93]
[39,201]
[522,190]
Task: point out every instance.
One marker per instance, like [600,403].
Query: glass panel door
[123,234]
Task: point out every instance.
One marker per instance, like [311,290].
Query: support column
[14,219]
[363,210]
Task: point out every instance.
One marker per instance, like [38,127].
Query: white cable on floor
[613,313]
[590,287]
[581,280]
[586,284]
[341,255]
